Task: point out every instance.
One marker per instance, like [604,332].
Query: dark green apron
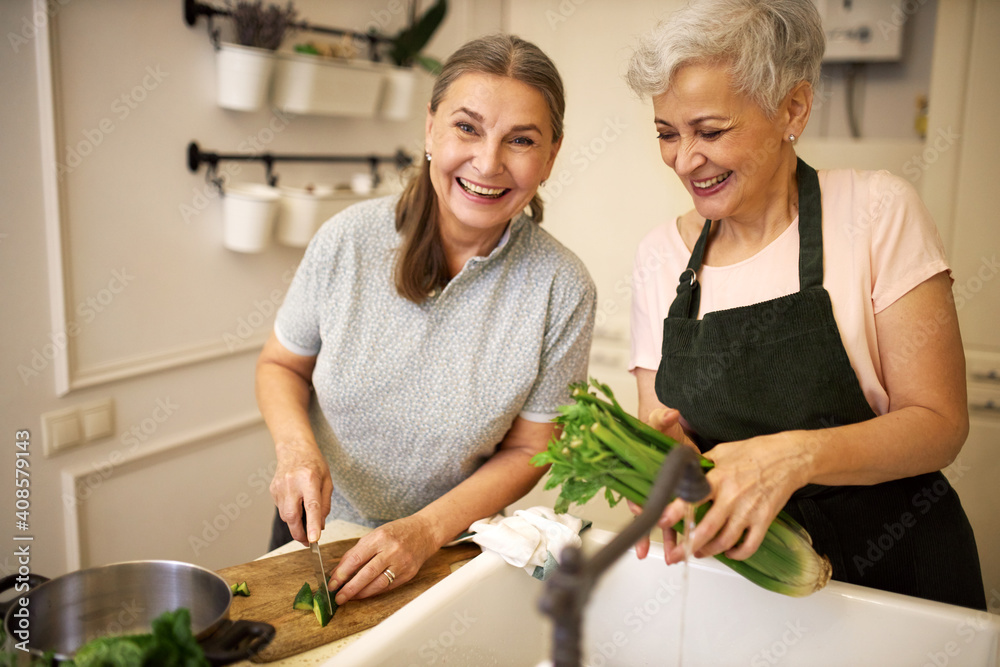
[780,365]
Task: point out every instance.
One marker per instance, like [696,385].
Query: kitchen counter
[335,530]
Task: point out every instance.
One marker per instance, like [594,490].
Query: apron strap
[810,227]
[688,299]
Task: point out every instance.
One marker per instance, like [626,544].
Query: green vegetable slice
[240,589]
[304,598]
[320,609]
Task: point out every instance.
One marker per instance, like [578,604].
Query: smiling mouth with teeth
[490,193]
[712,181]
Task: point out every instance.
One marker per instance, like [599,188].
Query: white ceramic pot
[302,212]
[397,94]
[309,84]
[248,213]
[243,76]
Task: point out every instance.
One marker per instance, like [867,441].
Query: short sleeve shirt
[879,242]
[410,399]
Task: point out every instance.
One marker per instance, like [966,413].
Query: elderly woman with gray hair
[797,326]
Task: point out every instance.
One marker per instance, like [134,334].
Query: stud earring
[791,138]
[428,156]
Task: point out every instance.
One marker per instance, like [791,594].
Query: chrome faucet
[569,587]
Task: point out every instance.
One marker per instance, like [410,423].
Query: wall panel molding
[80,481]
[69,375]
[46,58]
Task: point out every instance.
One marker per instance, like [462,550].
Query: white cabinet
[975,248]
[958,187]
[975,472]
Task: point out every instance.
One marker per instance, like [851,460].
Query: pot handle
[234,641]
[10,581]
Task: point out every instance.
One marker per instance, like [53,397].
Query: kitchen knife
[318,564]
[321,574]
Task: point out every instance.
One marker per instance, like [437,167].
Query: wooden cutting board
[273,583]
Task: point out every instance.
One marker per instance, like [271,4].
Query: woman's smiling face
[491,146]
[721,144]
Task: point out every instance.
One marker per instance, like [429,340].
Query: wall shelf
[196,157]
[194,9]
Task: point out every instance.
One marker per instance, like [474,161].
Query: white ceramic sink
[485,614]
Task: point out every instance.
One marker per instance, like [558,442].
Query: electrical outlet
[60,430]
[71,427]
[97,419]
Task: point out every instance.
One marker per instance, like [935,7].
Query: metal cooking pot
[65,613]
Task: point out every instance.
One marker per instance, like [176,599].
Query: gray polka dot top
[411,399]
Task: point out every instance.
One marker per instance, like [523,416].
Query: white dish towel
[532,539]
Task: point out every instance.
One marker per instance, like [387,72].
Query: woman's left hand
[751,482]
[401,546]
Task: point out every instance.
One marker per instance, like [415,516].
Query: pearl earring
[791,138]
[428,156]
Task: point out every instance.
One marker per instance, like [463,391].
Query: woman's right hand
[302,480]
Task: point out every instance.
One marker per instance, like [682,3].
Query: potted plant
[244,68]
[405,51]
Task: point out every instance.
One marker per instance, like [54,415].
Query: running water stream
[685,541]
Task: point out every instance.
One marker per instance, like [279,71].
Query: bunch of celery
[602,446]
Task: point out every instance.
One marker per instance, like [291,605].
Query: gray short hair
[769,46]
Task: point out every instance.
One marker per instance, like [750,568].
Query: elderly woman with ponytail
[427,339]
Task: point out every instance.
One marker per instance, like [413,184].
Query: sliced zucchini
[304,598]
[323,613]
[240,589]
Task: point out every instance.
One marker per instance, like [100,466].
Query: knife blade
[318,568]
[321,574]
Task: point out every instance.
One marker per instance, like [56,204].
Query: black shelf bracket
[194,9]
[196,157]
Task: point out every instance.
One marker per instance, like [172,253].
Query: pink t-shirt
[879,242]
